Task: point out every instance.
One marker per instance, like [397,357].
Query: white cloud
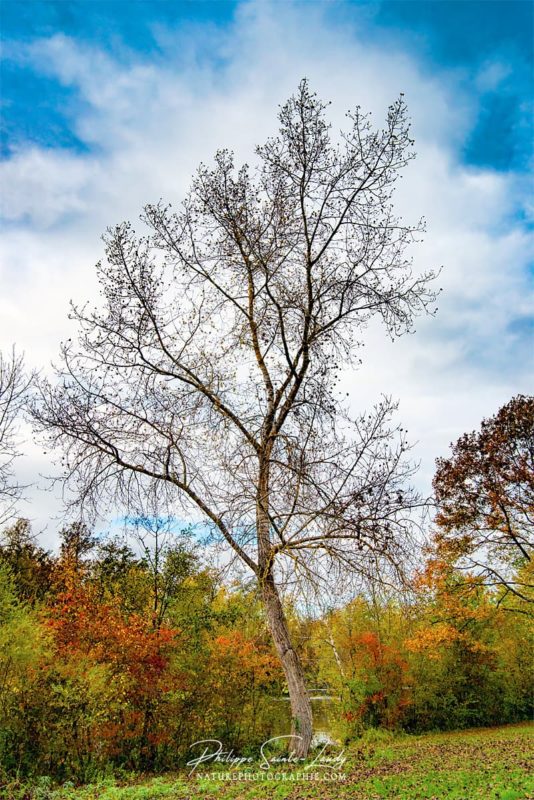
[150,123]
[44,186]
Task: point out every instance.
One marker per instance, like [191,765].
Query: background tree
[470,663]
[209,376]
[485,494]
[77,544]
[29,565]
[167,560]
[13,386]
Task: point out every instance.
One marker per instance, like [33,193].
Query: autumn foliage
[485,496]
[112,660]
[94,681]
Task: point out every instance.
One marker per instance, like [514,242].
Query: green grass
[482,764]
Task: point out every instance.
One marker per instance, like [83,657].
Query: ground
[488,764]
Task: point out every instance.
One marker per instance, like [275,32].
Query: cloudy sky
[109,105]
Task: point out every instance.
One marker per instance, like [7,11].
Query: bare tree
[13,386]
[211,374]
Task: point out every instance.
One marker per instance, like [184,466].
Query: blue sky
[446,34]
[110,105]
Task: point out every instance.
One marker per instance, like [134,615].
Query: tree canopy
[485,494]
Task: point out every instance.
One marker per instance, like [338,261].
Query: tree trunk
[301,712]
[337,657]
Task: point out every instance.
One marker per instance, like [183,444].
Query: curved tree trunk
[301,712]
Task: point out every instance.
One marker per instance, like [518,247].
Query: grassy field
[489,764]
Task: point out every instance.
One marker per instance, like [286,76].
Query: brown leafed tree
[485,496]
[13,387]
[209,377]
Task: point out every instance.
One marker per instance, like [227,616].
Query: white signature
[215,753]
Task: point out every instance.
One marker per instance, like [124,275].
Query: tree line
[113,662]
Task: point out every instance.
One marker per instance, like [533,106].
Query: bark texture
[301,711]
